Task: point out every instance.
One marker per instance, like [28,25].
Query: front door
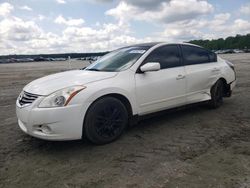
[163,89]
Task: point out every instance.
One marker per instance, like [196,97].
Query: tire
[216,95]
[105,120]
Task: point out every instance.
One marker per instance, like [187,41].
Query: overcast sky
[59,26]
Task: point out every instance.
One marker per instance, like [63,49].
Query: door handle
[215,70]
[180,76]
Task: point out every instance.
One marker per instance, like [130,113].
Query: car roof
[151,44]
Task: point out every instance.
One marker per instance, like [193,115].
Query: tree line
[66,55]
[236,42]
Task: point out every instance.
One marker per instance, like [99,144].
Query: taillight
[230,65]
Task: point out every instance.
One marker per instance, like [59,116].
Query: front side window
[168,56]
[118,60]
[194,55]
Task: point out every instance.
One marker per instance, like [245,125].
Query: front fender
[114,90]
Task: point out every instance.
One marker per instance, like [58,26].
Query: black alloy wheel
[105,120]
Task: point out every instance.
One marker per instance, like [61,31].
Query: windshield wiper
[93,69]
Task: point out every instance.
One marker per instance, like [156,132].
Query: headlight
[60,98]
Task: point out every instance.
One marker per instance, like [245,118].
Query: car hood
[49,84]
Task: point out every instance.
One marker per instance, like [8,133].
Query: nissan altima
[100,101]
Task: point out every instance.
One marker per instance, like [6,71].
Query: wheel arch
[226,89]
[122,98]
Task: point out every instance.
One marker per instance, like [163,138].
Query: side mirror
[151,66]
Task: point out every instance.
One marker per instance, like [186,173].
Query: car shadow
[171,114]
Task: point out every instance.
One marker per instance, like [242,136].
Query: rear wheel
[217,94]
[105,120]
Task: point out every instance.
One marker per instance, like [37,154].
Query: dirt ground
[195,147]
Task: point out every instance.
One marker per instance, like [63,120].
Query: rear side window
[194,55]
[168,56]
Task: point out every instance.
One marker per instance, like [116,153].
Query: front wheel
[217,95]
[105,120]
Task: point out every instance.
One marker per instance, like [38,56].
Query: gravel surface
[193,147]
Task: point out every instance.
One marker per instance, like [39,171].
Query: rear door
[202,71]
[165,88]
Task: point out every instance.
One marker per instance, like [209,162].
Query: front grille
[26,98]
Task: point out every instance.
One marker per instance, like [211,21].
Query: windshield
[118,60]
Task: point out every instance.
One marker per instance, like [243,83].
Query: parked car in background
[238,51]
[39,59]
[60,59]
[100,101]
[25,60]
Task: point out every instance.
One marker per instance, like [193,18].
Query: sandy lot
[194,147]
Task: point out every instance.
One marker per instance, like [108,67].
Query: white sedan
[100,101]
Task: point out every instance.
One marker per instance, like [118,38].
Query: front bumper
[62,123]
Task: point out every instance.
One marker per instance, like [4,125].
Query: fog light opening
[45,129]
